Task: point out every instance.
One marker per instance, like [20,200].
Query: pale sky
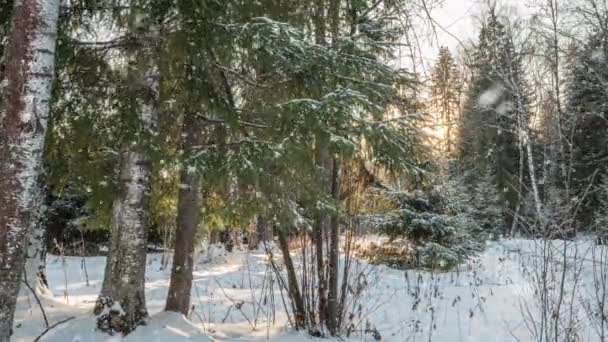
[460,18]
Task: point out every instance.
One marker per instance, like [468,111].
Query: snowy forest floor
[495,297]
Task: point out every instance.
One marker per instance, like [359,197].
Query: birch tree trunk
[35,262]
[525,137]
[533,182]
[26,92]
[121,305]
[520,188]
[188,218]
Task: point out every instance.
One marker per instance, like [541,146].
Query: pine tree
[24,114]
[446,90]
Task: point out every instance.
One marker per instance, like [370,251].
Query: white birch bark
[121,304]
[537,201]
[525,138]
[35,259]
[29,58]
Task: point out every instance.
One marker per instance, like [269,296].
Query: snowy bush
[438,224]
[485,209]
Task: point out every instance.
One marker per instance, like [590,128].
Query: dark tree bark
[25,85]
[263,229]
[333,264]
[318,233]
[322,158]
[259,233]
[188,218]
[214,236]
[295,295]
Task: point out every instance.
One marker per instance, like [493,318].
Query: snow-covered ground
[496,297]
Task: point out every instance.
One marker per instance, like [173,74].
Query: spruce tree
[200,48]
[336,93]
[495,115]
[588,113]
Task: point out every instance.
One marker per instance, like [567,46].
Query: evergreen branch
[383,85]
[242,122]
[241,76]
[200,149]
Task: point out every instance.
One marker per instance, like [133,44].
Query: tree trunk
[6,12]
[121,305]
[227,239]
[259,233]
[292,282]
[24,113]
[188,217]
[263,230]
[525,137]
[533,182]
[318,230]
[253,235]
[35,263]
[333,166]
[333,260]
[515,223]
[214,236]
